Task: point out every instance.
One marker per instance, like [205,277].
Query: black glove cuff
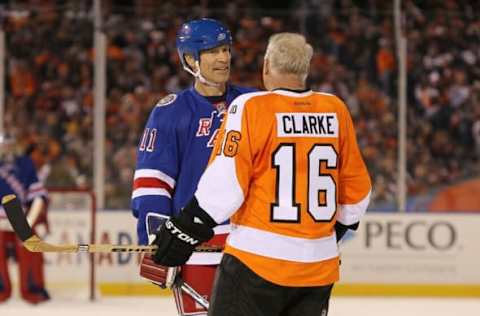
[341,229]
[195,210]
[179,235]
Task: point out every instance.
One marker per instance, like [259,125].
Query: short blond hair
[289,53]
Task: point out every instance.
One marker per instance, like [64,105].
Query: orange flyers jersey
[285,167]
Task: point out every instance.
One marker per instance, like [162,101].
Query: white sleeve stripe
[38,193]
[220,196]
[222,229]
[226,165]
[35,185]
[150,191]
[153,173]
[219,192]
[349,214]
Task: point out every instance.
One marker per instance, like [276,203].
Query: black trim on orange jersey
[293,90]
[277,186]
[323,175]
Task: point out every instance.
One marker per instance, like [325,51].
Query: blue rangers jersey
[174,151]
[20,177]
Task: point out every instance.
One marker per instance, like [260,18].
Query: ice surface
[164,306]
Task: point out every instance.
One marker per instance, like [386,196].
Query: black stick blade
[16,217]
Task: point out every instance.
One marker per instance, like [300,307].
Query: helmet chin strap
[198,75]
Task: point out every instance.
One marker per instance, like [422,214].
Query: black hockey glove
[177,237]
[341,229]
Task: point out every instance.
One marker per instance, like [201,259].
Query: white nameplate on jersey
[307,124]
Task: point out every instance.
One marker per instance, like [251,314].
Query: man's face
[215,64]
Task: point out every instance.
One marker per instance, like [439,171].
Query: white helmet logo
[221,36]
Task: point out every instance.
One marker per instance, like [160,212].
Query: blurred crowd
[49,99]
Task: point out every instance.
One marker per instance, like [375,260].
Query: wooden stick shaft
[35,244]
[16,217]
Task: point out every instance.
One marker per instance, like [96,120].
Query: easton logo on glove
[180,234]
[177,238]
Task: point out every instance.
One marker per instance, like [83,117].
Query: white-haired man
[288,172]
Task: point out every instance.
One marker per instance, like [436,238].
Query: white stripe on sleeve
[154,173]
[349,214]
[150,191]
[219,192]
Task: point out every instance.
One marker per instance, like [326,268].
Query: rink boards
[391,254]
[417,254]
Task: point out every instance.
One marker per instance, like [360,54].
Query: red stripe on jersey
[151,183]
[36,190]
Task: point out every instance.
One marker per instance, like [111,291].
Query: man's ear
[191,62]
[266,66]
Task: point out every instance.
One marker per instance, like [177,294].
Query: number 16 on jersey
[284,160]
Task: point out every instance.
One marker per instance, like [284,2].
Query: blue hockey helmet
[199,35]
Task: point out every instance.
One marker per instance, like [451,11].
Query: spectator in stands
[50,74]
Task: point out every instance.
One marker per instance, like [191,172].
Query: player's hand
[178,237]
[341,229]
[160,275]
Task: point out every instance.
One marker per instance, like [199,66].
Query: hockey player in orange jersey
[288,172]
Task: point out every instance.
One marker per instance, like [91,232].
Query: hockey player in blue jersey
[18,176]
[175,148]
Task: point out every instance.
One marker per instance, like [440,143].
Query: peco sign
[408,249]
[417,235]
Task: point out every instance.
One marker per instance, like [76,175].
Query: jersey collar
[293,93]
[214,99]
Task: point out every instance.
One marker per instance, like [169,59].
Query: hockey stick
[16,217]
[193,294]
[21,227]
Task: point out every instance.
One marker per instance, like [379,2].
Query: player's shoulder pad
[244,98]
[243,90]
[24,160]
[173,102]
[25,164]
[169,105]
[334,98]
[171,111]
[326,94]
[169,99]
